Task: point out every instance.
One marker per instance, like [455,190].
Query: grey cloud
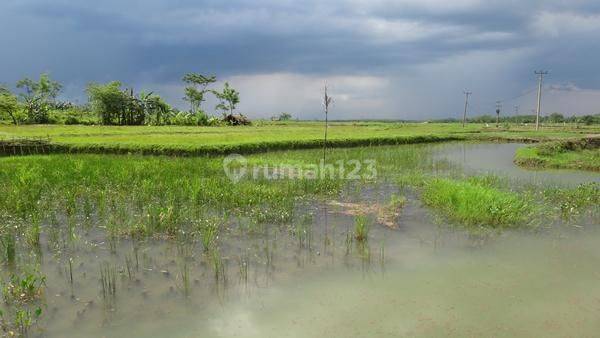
[155,41]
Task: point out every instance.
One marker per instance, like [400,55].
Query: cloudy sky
[402,59]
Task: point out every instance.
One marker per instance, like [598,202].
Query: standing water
[423,278]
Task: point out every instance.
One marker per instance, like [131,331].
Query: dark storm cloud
[156,41]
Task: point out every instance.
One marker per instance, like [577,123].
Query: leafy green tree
[556,118]
[284,117]
[38,97]
[157,110]
[588,120]
[108,101]
[8,104]
[196,89]
[228,98]
[115,105]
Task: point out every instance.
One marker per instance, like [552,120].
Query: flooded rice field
[497,158]
[421,275]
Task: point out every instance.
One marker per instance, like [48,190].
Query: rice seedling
[361,228]
[243,264]
[218,265]
[108,282]
[349,241]
[129,267]
[8,244]
[183,278]
[70,263]
[209,233]
[269,252]
[364,252]
[303,231]
[32,233]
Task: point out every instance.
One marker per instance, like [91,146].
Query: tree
[38,97]
[108,101]
[8,104]
[588,120]
[228,98]
[556,118]
[194,93]
[155,106]
[284,117]
[115,105]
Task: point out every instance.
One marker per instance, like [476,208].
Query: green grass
[573,202]
[581,154]
[361,228]
[180,140]
[473,203]
[139,196]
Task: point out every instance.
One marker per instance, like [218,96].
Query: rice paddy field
[414,230]
[264,136]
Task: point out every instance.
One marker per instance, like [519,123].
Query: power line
[510,99]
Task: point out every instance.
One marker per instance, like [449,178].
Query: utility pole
[498,108]
[467,94]
[517,114]
[540,74]
[326,102]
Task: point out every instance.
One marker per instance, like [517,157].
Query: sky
[402,59]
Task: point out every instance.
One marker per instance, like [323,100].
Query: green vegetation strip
[569,154]
[473,203]
[198,141]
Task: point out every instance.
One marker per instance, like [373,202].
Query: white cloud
[433,6]
[264,95]
[398,30]
[556,24]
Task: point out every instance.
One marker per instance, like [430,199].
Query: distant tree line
[113,104]
[528,119]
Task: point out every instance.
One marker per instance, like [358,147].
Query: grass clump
[572,202]
[581,154]
[361,228]
[474,204]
